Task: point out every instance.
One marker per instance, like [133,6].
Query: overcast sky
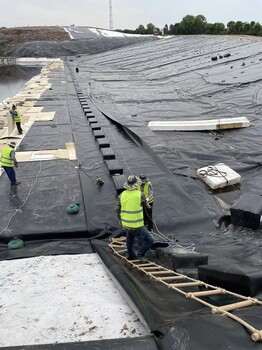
[126,13]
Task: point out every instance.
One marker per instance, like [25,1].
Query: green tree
[256,29]
[187,24]
[165,30]
[217,28]
[246,28]
[150,28]
[157,31]
[199,24]
[177,29]
[239,27]
[172,29]
[193,25]
[231,27]
[140,29]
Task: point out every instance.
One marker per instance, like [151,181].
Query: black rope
[212,171]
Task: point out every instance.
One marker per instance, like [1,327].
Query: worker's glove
[16,165]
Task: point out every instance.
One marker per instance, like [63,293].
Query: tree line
[198,25]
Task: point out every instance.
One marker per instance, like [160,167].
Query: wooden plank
[34,109]
[42,116]
[205,293]
[173,278]
[186,284]
[70,146]
[165,272]
[31,156]
[235,306]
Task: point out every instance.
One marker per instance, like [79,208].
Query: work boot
[143,259]
[132,257]
[17,183]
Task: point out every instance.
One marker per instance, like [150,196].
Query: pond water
[13,79]
[10,86]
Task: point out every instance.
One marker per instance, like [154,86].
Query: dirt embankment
[54,42]
[10,38]
[18,72]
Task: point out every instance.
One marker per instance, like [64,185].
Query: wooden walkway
[191,288]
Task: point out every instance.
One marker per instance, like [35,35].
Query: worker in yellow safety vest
[8,161]
[147,189]
[130,210]
[17,118]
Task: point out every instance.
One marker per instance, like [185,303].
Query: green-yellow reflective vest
[17,118]
[150,198]
[6,159]
[131,214]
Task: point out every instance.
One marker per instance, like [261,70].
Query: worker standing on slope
[147,189]
[17,119]
[130,209]
[8,161]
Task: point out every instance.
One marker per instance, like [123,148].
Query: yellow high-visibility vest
[150,198]
[131,214]
[6,159]
[17,118]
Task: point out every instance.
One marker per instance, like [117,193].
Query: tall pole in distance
[110,15]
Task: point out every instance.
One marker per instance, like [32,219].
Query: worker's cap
[12,144]
[143,178]
[132,182]
[14,106]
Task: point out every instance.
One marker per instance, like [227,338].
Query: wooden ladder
[178,282]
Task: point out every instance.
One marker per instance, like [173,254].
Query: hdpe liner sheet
[49,137]
[38,205]
[145,343]
[178,322]
[131,89]
[87,45]
[182,83]
[45,247]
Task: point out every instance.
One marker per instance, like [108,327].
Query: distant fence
[7,61]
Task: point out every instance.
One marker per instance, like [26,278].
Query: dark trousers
[11,174]
[19,129]
[148,220]
[141,234]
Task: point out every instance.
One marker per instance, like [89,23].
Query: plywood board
[28,103]
[199,125]
[3,132]
[37,156]
[37,83]
[3,107]
[34,109]
[4,113]
[16,99]
[41,116]
[70,146]
[30,156]
[31,96]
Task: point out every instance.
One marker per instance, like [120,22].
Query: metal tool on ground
[99,181]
